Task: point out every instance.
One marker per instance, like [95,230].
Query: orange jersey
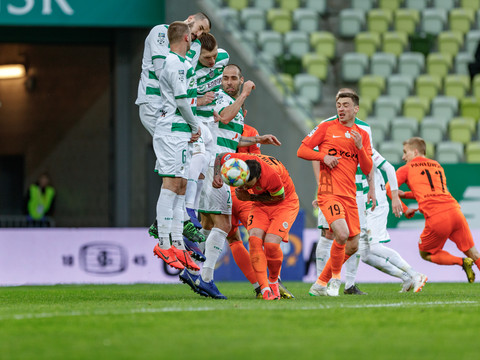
[426,178]
[252,149]
[274,177]
[333,138]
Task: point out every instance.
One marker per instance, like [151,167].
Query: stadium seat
[379,20]
[363,4]
[280,20]
[308,86]
[316,64]
[383,64]
[380,129]
[230,17]
[366,106]
[237,4]
[249,39]
[472,152]
[389,4]
[264,4]
[351,22]
[392,151]
[305,20]
[394,42]
[404,128]
[253,19]
[289,5]
[439,64]
[283,82]
[444,108]
[461,20]
[324,43]
[476,86]
[416,107]
[470,107]
[300,104]
[387,107]
[449,152]
[456,86]
[271,42]
[461,63]
[450,42]
[354,66]
[443,4]
[434,20]
[461,129]
[430,150]
[320,6]
[470,4]
[371,86]
[367,42]
[432,130]
[296,43]
[406,20]
[416,4]
[428,86]
[472,39]
[399,85]
[411,63]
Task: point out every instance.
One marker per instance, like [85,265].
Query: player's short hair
[208,41]
[176,31]
[255,169]
[234,65]
[348,93]
[202,16]
[417,143]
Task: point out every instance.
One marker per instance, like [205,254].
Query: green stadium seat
[461,63]
[383,64]
[302,104]
[380,129]
[280,20]
[472,152]
[366,106]
[449,152]
[456,85]
[416,107]
[432,130]
[430,150]
[264,4]
[379,20]
[387,107]
[476,86]
[444,107]
[354,66]
[394,42]
[371,86]
[392,151]
[406,20]
[439,64]
[351,22]
[389,4]
[470,107]
[308,86]
[237,4]
[367,42]
[472,39]
[316,65]
[399,85]
[296,43]
[404,128]
[305,20]
[461,20]
[461,129]
[411,64]
[253,19]
[443,4]
[434,20]
[416,4]
[428,86]
[363,4]
[271,42]
[289,5]
[324,43]
[470,4]
[320,6]
[450,42]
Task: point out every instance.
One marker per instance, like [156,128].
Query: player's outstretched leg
[188,278]
[210,288]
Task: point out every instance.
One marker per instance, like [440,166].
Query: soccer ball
[234,172]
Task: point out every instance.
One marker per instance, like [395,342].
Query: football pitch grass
[148,321]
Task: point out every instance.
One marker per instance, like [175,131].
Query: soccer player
[371,247]
[443,217]
[342,146]
[175,128]
[273,211]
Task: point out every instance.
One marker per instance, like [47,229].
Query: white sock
[322,253]
[351,267]
[197,195]
[393,257]
[213,249]
[177,223]
[190,193]
[165,203]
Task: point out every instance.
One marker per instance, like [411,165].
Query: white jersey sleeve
[380,163]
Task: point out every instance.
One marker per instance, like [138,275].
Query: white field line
[43,315]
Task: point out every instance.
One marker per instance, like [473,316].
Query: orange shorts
[240,212]
[340,207]
[274,219]
[450,224]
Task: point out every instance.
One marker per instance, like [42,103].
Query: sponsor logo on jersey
[285,225]
[342,153]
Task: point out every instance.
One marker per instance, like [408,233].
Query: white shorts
[173,155]
[148,116]
[215,201]
[321,221]
[377,225]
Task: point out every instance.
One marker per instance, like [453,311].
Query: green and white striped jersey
[157,46]
[226,136]
[177,81]
[210,79]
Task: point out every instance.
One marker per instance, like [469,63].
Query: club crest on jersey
[161,38]
[181,75]
[347,135]
[285,225]
[211,74]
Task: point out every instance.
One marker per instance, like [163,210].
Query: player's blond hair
[416,143]
[176,31]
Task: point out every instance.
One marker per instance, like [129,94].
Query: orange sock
[259,260]
[274,260]
[337,254]
[478,263]
[242,259]
[445,258]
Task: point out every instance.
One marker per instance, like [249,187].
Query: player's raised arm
[267,139]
